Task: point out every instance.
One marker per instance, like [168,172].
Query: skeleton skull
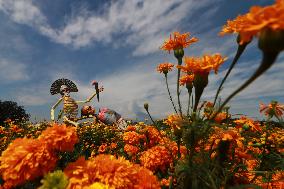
[64,90]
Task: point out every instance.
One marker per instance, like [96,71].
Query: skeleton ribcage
[70,107]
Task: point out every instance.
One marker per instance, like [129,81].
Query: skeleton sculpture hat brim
[55,87]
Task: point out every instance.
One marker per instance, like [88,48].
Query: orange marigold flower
[24,160]
[15,129]
[102,148]
[152,134]
[130,149]
[156,158]
[273,109]
[244,122]
[232,135]
[221,116]
[80,173]
[113,145]
[174,121]
[60,137]
[132,137]
[178,41]
[106,169]
[256,20]
[173,147]
[131,128]
[165,67]
[186,79]
[203,64]
[166,182]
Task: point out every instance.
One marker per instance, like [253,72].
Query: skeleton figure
[70,106]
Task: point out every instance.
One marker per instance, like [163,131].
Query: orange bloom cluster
[102,148]
[131,128]
[186,79]
[221,117]
[231,135]
[166,182]
[156,158]
[118,173]
[174,121]
[133,138]
[165,67]
[244,121]
[272,109]
[256,20]
[130,149]
[203,64]
[60,137]
[178,41]
[152,134]
[25,159]
[173,147]
[276,183]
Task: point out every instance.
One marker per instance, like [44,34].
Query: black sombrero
[55,87]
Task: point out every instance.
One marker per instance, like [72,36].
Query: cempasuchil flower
[132,137]
[203,64]
[165,67]
[256,20]
[60,137]
[244,122]
[174,121]
[156,158]
[108,170]
[130,149]
[24,160]
[186,79]
[178,41]
[273,109]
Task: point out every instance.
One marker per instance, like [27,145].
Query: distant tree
[11,110]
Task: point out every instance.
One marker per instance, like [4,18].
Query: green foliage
[54,180]
[11,110]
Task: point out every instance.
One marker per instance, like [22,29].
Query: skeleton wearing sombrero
[70,106]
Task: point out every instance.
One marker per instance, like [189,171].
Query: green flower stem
[170,93]
[240,50]
[189,95]
[200,82]
[267,60]
[178,91]
[178,145]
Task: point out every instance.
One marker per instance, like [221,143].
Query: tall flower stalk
[200,67]
[239,52]
[187,80]
[179,54]
[177,42]
[165,68]
[171,99]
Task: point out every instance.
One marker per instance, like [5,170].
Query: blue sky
[117,43]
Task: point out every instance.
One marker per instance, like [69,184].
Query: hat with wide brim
[55,87]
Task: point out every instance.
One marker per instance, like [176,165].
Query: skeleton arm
[91,97]
[53,108]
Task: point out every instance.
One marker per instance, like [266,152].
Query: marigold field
[204,147]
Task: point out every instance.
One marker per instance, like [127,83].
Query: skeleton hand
[101,89]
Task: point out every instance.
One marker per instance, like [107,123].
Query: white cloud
[12,71]
[142,24]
